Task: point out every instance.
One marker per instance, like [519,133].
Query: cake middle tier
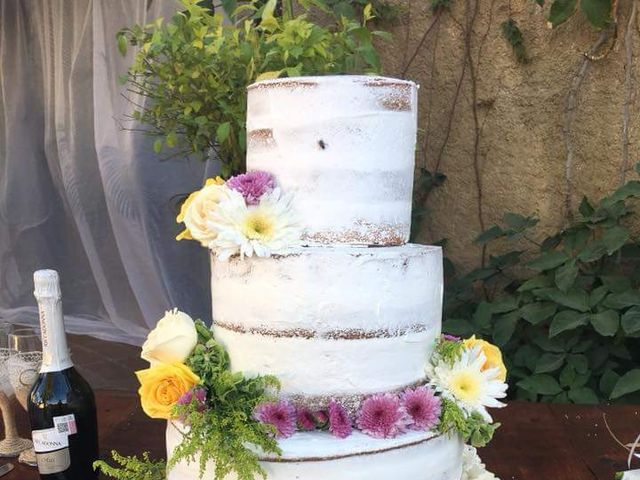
[331,321]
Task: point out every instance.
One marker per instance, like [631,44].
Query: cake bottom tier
[320,456]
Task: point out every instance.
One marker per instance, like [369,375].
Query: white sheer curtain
[78,193]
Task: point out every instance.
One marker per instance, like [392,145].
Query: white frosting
[345,146]
[331,367]
[331,320]
[319,456]
[326,289]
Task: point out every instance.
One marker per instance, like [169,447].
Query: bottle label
[49,440]
[65,424]
[55,352]
[53,462]
[52,445]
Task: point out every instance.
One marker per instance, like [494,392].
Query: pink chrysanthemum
[339,421]
[197,394]
[252,185]
[321,417]
[306,420]
[383,416]
[282,415]
[423,406]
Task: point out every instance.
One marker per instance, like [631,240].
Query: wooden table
[536,441]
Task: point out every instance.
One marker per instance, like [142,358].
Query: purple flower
[282,415]
[450,338]
[383,416]
[252,185]
[321,417]
[423,406]
[306,420]
[339,422]
[196,394]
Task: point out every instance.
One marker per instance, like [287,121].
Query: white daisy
[467,384]
[268,228]
[472,466]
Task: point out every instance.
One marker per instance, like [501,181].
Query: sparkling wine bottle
[61,405]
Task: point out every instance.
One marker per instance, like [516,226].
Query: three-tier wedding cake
[326,359]
[354,310]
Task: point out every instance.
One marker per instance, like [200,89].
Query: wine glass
[12,444]
[25,357]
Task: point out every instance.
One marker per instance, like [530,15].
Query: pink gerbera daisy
[423,406]
[339,421]
[252,185]
[282,415]
[306,421]
[383,416]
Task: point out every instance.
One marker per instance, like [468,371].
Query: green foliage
[426,182]
[472,428]
[597,12]
[383,10]
[133,468]
[568,319]
[226,431]
[449,351]
[514,37]
[192,71]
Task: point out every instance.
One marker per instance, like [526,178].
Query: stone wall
[520,162]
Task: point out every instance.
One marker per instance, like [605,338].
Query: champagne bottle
[61,405]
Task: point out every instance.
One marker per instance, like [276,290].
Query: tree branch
[434,21]
[628,91]
[569,115]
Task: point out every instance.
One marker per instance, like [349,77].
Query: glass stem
[10,429]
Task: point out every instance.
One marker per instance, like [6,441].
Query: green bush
[570,327]
[194,70]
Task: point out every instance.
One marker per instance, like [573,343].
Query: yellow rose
[492,354]
[196,209]
[162,386]
[173,339]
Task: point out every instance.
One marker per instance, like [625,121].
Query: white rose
[197,210]
[173,339]
[472,466]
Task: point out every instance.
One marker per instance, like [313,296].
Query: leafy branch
[189,75]
[569,321]
[225,432]
[133,468]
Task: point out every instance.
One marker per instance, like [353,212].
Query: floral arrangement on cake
[246,215]
[189,381]
[226,417]
[466,378]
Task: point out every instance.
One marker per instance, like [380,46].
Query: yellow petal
[184,235]
[185,204]
[214,181]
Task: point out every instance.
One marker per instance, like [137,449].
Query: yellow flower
[186,234]
[162,385]
[466,386]
[492,353]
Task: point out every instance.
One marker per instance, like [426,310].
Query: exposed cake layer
[345,146]
[331,321]
[331,292]
[319,456]
[331,367]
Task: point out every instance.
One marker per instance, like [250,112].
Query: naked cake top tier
[344,146]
